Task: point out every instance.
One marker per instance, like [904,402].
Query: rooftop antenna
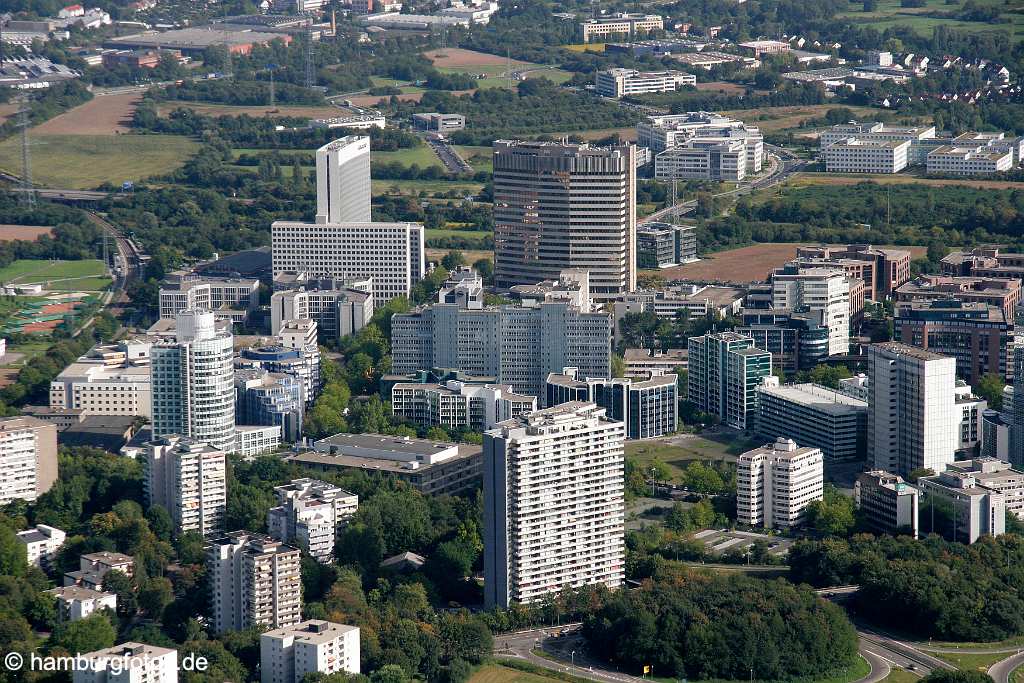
[28,194]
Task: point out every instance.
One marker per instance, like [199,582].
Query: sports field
[65,276]
[83,162]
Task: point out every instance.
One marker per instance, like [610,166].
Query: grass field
[968,661]
[889,14]
[495,673]
[86,161]
[30,270]
[678,453]
[470,255]
[477,157]
[493,67]
[1017,675]
[806,179]
[901,676]
[421,155]
[585,47]
[311,111]
[434,233]
[775,119]
[859,670]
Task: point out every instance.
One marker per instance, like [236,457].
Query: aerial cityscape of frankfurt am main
[511,341]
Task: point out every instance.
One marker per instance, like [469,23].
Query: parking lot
[718,541]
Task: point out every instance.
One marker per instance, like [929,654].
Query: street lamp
[572,662]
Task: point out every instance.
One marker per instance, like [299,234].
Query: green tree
[618,365]
[453,259]
[155,595]
[95,632]
[832,515]
[990,387]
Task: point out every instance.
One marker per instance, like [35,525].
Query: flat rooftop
[313,631]
[314,458]
[817,397]
[192,38]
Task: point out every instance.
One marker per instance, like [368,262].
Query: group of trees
[240,93]
[928,588]
[54,100]
[697,626]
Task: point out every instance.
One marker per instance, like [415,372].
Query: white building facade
[189,479]
[776,483]
[314,646]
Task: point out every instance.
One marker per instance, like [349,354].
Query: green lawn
[677,456]
[84,284]
[968,661]
[859,670]
[87,161]
[901,676]
[1017,675]
[434,233]
[421,155]
[28,270]
[480,158]
[28,350]
[495,673]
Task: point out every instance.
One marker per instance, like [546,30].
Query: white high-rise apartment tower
[188,478]
[314,646]
[913,419]
[559,207]
[553,503]
[28,458]
[194,382]
[127,663]
[254,580]
[343,181]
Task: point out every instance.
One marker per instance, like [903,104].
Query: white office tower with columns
[343,181]
[193,382]
[189,479]
[776,483]
[343,242]
[913,419]
[553,503]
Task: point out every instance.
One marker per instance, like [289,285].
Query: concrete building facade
[724,373]
[776,483]
[189,479]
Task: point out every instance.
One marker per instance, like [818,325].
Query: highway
[447,154]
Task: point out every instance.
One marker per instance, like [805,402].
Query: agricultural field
[470,255]
[102,115]
[889,14]
[28,233]
[746,264]
[82,162]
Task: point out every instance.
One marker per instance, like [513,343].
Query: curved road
[1000,671]
[564,651]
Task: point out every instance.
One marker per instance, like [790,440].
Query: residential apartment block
[193,382]
[128,663]
[724,373]
[93,568]
[553,504]
[976,334]
[815,416]
[516,344]
[913,421]
[111,379]
[189,479]
[565,206]
[887,503]
[75,602]
[647,406]
[288,654]
[28,458]
[776,482]
[310,514]
[254,581]
[618,83]
[455,405]
[41,544]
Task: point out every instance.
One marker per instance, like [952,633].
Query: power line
[310,76]
[28,194]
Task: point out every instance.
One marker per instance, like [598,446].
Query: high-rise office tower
[1016,411]
[189,479]
[559,206]
[194,382]
[254,580]
[913,420]
[343,181]
[776,482]
[553,503]
[802,289]
[725,371]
